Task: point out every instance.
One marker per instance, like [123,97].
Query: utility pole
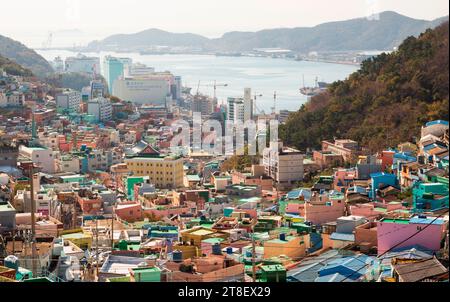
[33,222]
[96,247]
[253,255]
[112,230]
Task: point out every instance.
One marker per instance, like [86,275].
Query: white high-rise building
[69,99]
[248,104]
[240,109]
[101,108]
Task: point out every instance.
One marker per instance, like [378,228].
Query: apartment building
[283,164]
[68,99]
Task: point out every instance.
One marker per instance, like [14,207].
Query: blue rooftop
[333,278]
[418,220]
[437,122]
[296,194]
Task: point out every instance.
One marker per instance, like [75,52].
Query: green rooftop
[398,221]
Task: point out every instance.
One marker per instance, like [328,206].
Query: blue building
[430,197]
[380,180]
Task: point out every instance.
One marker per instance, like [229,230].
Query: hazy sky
[30,21]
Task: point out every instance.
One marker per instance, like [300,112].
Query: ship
[312,91]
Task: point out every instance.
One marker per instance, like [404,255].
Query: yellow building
[291,246]
[164,172]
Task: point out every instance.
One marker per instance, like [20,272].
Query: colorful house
[380,180]
[394,233]
[430,196]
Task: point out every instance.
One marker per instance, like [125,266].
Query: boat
[312,91]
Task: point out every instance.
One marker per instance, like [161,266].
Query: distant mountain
[24,56]
[146,38]
[357,34]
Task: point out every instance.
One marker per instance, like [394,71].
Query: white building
[137,70]
[154,89]
[11,99]
[49,140]
[69,99]
[68,164]
[283,164]
[101,108]
[82,64]
[44,158]
[240,109]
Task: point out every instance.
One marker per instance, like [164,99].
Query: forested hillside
[385,102]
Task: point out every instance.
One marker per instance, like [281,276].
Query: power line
[398,244]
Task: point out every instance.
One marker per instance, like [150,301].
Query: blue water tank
[248,254]
[229,250]
[177,256]
[216,249]
[283,237]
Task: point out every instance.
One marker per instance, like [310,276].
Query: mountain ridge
[24,56]
[352,34]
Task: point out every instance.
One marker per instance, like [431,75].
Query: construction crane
[215,85]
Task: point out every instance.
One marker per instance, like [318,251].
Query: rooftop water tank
[229,250]
[177,256]
[283,237]
[216,249]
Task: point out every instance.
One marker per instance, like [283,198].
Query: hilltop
[383,103]
[22,55]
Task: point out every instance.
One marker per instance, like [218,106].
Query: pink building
[166,211]
[393,232]
[324,209]
[295,208]
[129,211]
[374,210]
[343,179]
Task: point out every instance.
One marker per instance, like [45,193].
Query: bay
[263,75]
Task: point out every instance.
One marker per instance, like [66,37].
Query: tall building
[248,104]
[97,89]
[178,88]
[240,109]
[69,99]
[202,104]
[113,69]
[100,108]
[283,164]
